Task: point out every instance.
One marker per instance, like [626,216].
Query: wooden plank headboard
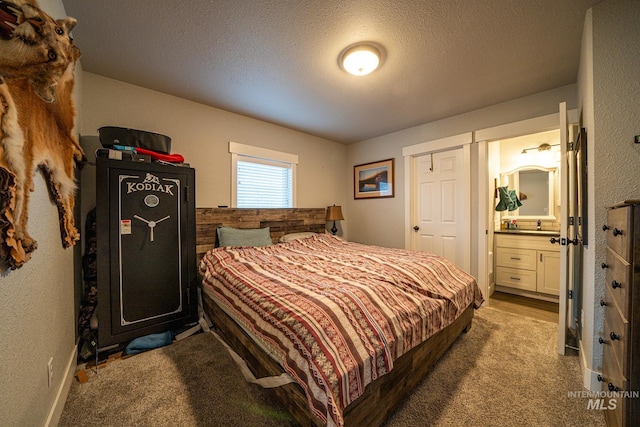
[281,222]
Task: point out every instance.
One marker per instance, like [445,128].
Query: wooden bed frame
[381,396]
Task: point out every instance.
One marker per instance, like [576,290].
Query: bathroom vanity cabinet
[527,263]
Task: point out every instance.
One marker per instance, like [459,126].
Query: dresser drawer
[618,279]
[621,302]
[613,380]
[611,371]
[616,336]
[618,234]
[613,417]
[520,279]
[516,258]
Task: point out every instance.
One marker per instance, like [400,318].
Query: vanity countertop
[529,232]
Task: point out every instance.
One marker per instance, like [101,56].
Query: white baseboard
[63,391]
[589,376]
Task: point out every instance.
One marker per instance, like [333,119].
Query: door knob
[416,228]
[554,240]
[616,232]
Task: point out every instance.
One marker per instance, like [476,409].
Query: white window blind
[262,178]
[263,183]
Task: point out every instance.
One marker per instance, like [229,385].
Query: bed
[357,327]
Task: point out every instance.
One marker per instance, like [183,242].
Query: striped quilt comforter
[335,314]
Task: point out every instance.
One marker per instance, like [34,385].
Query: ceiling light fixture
[360,59]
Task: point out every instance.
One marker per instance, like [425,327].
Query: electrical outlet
[50,371]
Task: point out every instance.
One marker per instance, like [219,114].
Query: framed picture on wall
[373,180]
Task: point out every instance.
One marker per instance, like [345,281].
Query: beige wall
[202,134]
[37,312]
[38,301]
[381,221]
[609,98]
[610,106]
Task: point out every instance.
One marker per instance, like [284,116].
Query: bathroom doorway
[525,215]
[513,257]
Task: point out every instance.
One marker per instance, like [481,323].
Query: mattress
[335,314]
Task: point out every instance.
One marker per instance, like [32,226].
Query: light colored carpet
[504,372]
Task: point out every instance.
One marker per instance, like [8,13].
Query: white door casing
[524,127]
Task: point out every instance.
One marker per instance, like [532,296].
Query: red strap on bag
[171,158]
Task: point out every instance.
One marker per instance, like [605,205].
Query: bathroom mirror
[535,186]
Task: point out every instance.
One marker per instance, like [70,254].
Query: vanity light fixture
[540,148]
[361,59]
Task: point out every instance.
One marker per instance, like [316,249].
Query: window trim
[243,150]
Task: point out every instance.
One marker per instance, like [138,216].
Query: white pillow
[295,236]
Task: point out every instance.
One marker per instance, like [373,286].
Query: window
[262,178]
[263,184]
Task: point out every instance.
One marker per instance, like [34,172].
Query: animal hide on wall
[37,62]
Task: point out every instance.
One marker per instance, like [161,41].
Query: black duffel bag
[112,135]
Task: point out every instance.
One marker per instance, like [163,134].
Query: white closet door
[440,205]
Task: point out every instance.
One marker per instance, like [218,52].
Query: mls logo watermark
[603,400]
[602,404]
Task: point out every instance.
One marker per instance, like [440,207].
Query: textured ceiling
[276,60]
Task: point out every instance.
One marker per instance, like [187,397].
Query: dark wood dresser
[621,334]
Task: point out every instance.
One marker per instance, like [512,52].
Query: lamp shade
[334,213]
